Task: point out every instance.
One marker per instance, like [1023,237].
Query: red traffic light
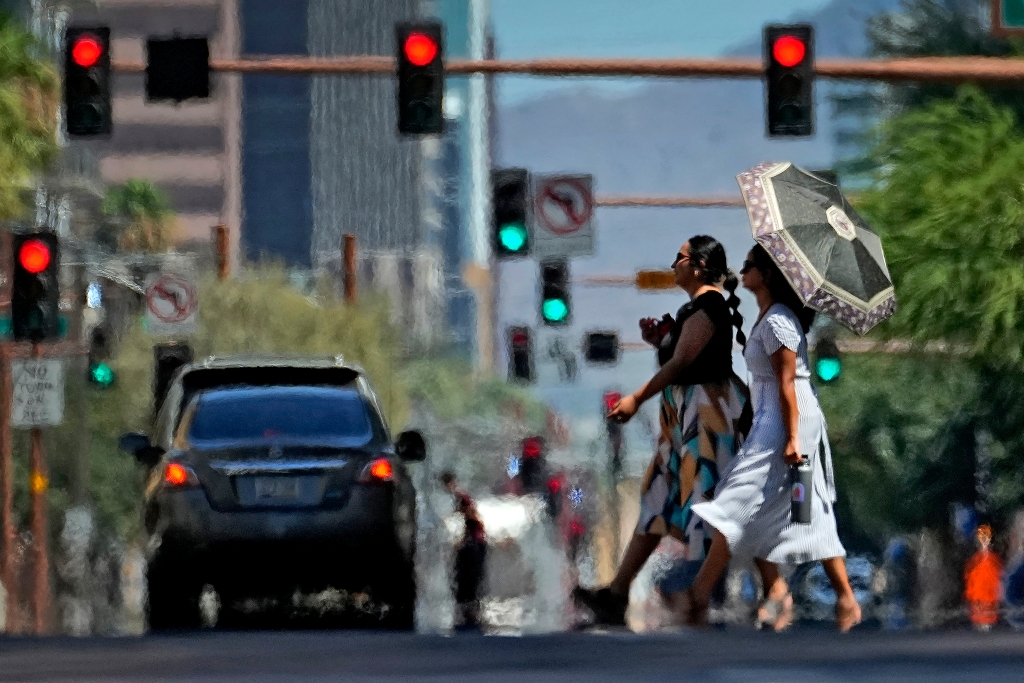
[86,51]
[420,49]
[789,51]
[520,339]
[610,399]
[532,448]
[554,485]
[34,256]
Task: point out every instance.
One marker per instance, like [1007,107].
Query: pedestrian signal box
[601,347]
[177,69]
[789,75]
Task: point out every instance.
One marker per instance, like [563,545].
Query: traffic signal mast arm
[932,69]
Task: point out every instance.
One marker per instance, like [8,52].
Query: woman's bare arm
[784,364]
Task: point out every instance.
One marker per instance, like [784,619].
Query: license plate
[276,488]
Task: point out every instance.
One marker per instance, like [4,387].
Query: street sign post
[1007,18]
[38,392]
[563,210]
[171,304]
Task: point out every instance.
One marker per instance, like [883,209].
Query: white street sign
[171,304]
[38,393]
[563,211]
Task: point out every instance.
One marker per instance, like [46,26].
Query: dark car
[269,475]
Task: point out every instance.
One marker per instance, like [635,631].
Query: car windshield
[316,415]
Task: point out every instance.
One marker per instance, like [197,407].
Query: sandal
[775,614]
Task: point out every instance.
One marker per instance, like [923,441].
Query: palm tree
[143,214]
[28,115]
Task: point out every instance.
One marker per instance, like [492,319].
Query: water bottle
[801,478]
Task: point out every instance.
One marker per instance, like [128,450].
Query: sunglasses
[747,266]
[680,256]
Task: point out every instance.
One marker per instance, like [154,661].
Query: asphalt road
[726,657]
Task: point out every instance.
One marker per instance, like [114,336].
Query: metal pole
[220,235]
[695,202]
[10,573]
[349,258]
[38,484]
[932,69]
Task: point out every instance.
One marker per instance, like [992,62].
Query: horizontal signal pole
[696,202]
[934,69]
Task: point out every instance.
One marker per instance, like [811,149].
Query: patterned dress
[751,507]
[702,427]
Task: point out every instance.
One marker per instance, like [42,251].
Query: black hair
[779,287]
[708,254]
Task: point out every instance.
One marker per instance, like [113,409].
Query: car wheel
[173,601]
[398,591]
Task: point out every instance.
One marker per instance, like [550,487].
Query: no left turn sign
[171,304]
[563,212]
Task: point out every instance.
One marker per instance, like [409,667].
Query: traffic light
[531,463]
[35,290]
[177,69]
[789,69]
[828,364]
[100,372]
[601,347]
[555,307]
[520,354]
[420,78]
[87,81]
[554,494]
[167,358]
[511,201]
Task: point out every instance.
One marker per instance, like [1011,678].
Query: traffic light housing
[35,287]
[87,111]
[167,358]
[828,364]
[177,69]
[511,201]
[789,72]
[520,354]
[555,305]
[100,372]
[531,464]
[601,347]
[420,78]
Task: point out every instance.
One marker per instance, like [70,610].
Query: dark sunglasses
[747,266]
[679,257]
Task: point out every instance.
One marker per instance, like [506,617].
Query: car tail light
[178,476]
[380,469]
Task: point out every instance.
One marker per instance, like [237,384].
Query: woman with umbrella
[812,249]
[704,416]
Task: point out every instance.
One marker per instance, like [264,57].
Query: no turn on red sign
[171,304]
[563,212]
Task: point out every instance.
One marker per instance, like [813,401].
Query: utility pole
[349,264]
[10,572]
[221,242]
[38,485]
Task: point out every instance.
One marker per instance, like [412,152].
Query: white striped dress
[751,507]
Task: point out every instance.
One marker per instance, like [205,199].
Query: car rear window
[318,415]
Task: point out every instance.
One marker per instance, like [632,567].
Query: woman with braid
[704,416]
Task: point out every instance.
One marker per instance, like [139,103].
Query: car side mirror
[139,445]
[410,446]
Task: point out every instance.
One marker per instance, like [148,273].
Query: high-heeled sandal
[775,614]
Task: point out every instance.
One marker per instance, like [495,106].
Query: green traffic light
[101,374]
[512,237]
[555,310]
[828,369]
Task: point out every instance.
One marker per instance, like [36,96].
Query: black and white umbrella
[828,253]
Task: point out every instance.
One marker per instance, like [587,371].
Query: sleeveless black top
[714,362]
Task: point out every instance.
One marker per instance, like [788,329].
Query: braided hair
[709,254]
[779,287]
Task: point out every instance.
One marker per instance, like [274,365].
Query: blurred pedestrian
[703,405]
[470,554]
[751,511]
[983,577]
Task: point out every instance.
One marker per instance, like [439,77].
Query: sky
[625,28]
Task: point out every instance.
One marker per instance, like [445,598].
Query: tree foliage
[948,204]
[142,214]
[28,115]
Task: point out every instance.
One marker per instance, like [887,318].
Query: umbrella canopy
[828,253]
